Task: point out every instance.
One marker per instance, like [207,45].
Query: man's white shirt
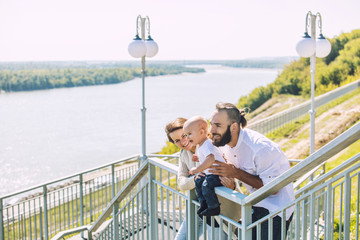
[259,156]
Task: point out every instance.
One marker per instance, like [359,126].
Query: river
[48,134]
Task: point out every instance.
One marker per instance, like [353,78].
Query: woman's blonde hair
[174,125]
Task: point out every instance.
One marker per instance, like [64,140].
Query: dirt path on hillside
[328,125]
[273,106]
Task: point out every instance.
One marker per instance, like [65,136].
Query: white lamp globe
[151,47]
[323,47]
[306,46]
[137,48]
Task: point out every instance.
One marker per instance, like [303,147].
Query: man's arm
[229,170]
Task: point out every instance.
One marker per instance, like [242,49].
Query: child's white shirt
[206,149]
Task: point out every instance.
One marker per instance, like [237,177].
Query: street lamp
[307,47]
[141,47]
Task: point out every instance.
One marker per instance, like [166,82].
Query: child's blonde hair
[202,123]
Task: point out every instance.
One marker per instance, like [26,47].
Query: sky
[68,30]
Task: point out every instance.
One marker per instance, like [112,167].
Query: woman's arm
[185,182]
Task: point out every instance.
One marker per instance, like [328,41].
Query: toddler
[196,131]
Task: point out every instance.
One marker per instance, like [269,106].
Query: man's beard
[225,138]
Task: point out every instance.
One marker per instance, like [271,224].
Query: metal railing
[155,210]
[319,205]
[77,200]
[328,203]
[275,121]
[166,210]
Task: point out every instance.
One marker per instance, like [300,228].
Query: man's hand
[195,158]
[192,171]
[228,182]
[229,170]
[224,169]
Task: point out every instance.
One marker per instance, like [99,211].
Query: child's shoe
[202,207]
[211,212]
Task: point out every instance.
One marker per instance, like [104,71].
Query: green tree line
[47,78]
[340,67]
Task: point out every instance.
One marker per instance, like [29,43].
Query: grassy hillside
[340,67]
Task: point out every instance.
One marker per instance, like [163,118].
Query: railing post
[143,182]
[2,236]
[312,216]
[246,213]
[115,221]
[328,215]
[41,223]
[190,216]
[153,203]
[113,180]
[116,205]
[304,219]
[46,220]
[297,220]
[81,200]
[347,207]
[90,205]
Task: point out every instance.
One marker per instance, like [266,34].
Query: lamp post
[141,47]
[308,47]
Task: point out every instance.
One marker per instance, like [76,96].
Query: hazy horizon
[94,30]
[154,60]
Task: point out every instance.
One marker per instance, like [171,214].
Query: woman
[175,134]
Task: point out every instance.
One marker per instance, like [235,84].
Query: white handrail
[123,160]
[122,194]
[275,121]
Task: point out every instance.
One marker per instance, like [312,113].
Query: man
[253,159]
